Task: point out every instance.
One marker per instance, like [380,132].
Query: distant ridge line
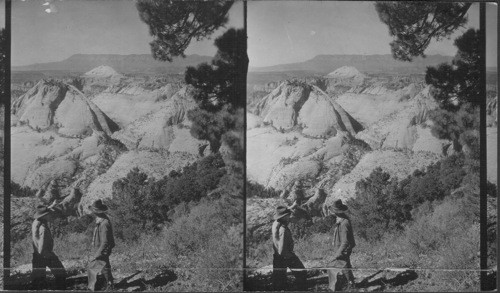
[324,64]
[121,63]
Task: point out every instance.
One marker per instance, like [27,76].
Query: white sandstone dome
[292,104]
[56,104]
[346,72]
[102,71]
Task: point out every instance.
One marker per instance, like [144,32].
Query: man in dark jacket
[43,254]
[102,243]
[343,243]
[284,257]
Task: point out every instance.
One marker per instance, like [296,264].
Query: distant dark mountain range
[136,63]
[324,64]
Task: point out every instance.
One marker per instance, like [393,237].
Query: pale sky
[491,34]
[2,13]
[281,32]
[89,27]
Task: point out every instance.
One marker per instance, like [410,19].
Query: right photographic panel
[363,146]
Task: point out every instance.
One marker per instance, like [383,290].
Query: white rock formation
[309,107]
[102,71]
[59,105]
[320,116]
[127,103]
[280,108]
[346,72]
[165,128]
[401,123]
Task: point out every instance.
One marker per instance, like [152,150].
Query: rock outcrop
[72,140]
[166,128]
[63,107]
[293,104]
[128,102]
[102,71]
[347,73]
[396,120]
[280,108]
[320,116]
[298,131]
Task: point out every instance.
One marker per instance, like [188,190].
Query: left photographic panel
[127,145]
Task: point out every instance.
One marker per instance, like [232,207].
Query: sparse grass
[203,249]
[73,246]
[43,160]
[316,247]
[20,252]
[47,141]
[290,142]
[288,161]
[259,254]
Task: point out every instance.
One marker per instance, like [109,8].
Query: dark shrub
[257,190]
[323,225]
[142,204]
[378,206]
[21,191]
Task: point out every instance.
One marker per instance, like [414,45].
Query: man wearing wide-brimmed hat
[43,254]
[284,257]
[103,243]
[343,243]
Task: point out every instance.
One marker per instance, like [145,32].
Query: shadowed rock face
[280,108]
[294,104]
[37,107]
[322,117]
[56,104]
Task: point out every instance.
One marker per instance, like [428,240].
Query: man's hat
[98,207]
[281,212]
[41,210]
[338,207]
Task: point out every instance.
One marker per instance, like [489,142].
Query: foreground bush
[141,204]
[378,206]
[205,246]
[383,204]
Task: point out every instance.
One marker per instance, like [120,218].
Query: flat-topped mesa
[56,104]
[299,104]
